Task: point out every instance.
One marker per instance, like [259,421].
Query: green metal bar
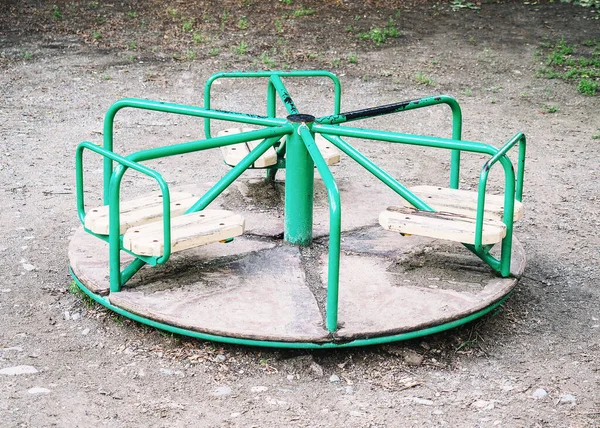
[210,143]
[509,200]
[521,168]
[294,345]
[412,105]
[395,137]
[254,74]
[378,172]
[114,235]
[286,99]
[232,175]
[169,108]
[335,228]
[299,182]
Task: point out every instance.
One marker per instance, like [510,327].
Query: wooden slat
[138,211]
[440,225]
[233,154]
[187,231]
[463,202]
[329,152]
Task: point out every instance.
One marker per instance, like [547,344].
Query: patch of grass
[287,2]
[96,35]
[106,77]
[551,109]
[132,14]
[242,23]
[267,60]
[379,35]
[468,92]
[132,45]
[214,51]
[100,20]
[57,15]
[190,54]
[303,11]
[187,24]
[87,301]
[278,26]
[569,62]
[172,12]
[587,87]
[462,4]
[241,49]
[352,58]
[424,80]
[199,38]
[596,136]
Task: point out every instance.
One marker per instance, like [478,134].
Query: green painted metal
[380,340]
[299,182]
[335,228]
[301,156]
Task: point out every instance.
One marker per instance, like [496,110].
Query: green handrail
[335,228]
[174,109]
[270,89]
[411,105]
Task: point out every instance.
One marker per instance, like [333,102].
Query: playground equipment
[279,276]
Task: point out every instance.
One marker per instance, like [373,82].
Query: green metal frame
[301,158]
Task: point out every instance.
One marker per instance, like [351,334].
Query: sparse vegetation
[551,109]
[303,11]
[241,49]
[379,35]
[565,61]
[424,80]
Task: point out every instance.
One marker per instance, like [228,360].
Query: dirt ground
[536,362]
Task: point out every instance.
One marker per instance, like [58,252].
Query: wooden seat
[463,202]
[234,153]
[440,225]
[329,151]
[138,211]
[187,231]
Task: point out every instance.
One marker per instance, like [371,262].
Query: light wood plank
[463,202]
[440,225]
[233,154]
[187,231]
[138,211]
[330,153]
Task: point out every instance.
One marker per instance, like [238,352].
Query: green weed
[214,51]
[57,15]
[132,14]
[190,54]
[587,87]
[352,58]
[132,45]
[96,35]
[468,92]
[242,23]
[267,60]
[187,24]
[422,79]
[199,38]
[551,109]
[462,4]
[303,11]
[278,26]
[596,136]
[379,35]
[87,301]
[241,49]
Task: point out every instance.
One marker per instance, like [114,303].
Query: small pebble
[334,378]
[38,390]
[220,358]
[539,393]
[18,370]
[567,399]
[259,389]
[221,391]
[85,331]
[423,401]
[316,369]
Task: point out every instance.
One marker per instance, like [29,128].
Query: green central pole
[299,181]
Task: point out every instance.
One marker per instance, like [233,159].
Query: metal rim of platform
[379,340]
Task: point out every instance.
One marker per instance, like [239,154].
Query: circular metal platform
[260,290]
